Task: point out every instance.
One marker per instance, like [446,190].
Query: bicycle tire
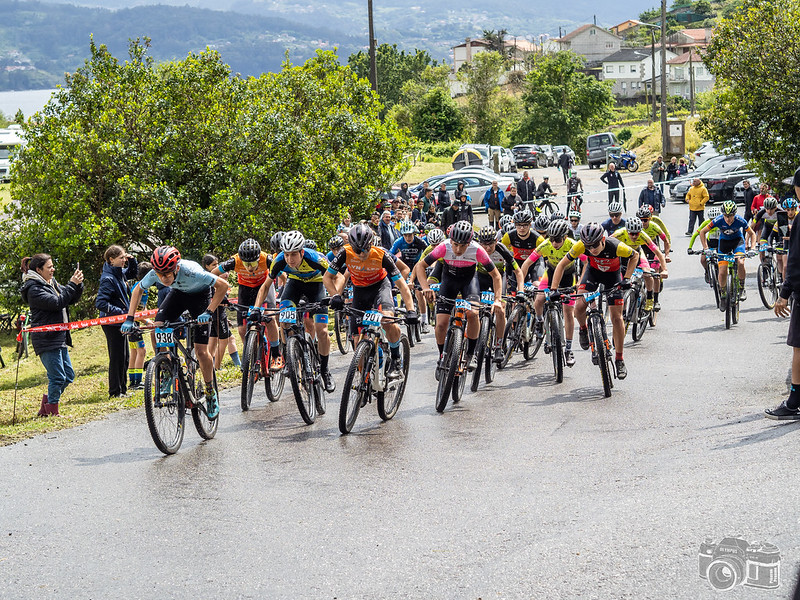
[531,348]
[713,270]
[165,415]
[418,333]
[389,403]
[512,334]
[548,208]
[206,428]
[556,347]
[452,354]
[480,354]
[459,383]
[250,368]
[766,284]
[303,393]
[490,368]
[356,386]
[275,380]
[629,301]
[735,311]
[729,302]
[640,325]
[320,398]
[340,331]
[602,357]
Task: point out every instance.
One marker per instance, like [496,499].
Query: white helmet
[292,241]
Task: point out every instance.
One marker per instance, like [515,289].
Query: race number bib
[434,287]
[372,318]
[487,297]
[164,337]
[529,287]
[288,315]
[462,305]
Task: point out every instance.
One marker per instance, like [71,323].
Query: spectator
[565,163]
[511,202]
[113,298]
[418,214]
[375,222]
[659,171]
[346,224]
[683,168]
[749,195]
[136,340]
[544,187]
[220,337]
[443,198]
[465,209]
[427,199]
[672,168]
[614,182]
[493,201]
[696,197]
[789,409]
[653,197]
[450,216]
[526,188]
[432,216]
[387,231]
[403,194]
[48,301]
[394,206]
[460,191]
[758,201]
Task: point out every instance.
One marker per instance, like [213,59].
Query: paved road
[526,490]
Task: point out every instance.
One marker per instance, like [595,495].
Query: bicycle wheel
[459,383]
[548,208]
[315,377]
[554,326]
[340,331]
[602,356]
[490,368]
[389,401]
[356,388]
[275,380]
[713,273]
[640,324]
[250,368]
[206,427]
[766,283]
[165,411]
[480,354]
[302,388]
[629,300]
[729,302]
[452,354]
[531,348]
[512,334]
[737,288]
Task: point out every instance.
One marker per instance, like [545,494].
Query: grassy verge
[646,141]
[85,400]
[422,170]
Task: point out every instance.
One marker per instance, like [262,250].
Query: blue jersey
[311,268]
[409,253]
[191,278]
[730,232]
[609,226]
[330,256]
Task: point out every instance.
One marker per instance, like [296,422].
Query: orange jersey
[243,276]
[364,271]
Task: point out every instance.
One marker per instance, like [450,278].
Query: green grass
[422,170]
[83,401]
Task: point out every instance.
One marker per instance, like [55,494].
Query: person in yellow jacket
[696,197]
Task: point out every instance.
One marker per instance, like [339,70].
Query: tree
[394,66]
[561,103]
[753,56]
[436,117]
[483,102]
[496,39]
[183,153]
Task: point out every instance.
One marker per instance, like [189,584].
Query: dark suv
[596,148]
[529,155]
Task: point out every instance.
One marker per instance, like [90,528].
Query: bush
[623,135]
[436,149]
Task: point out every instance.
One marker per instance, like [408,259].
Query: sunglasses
[645,220]
[557,240]
[595,245]
[574,220]
[613,215]
[250,264]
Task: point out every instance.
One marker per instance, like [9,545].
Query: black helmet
[523,217]
[462,232]
[592,233]
[335,242]
[487,235]
[361,237]
[275,242]
[310,244]
[249,250]
[557,216]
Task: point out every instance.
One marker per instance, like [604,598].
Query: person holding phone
[48,301]
[113,298]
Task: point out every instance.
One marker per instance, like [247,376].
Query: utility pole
[664,132]
[653,71]
[691,84]
[373,60]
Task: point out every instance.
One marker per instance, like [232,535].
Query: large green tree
[561,103]
[753,56]
[437,118]
[394,68]
[484,103]
[183,153]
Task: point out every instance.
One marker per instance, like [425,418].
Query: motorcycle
[625,160]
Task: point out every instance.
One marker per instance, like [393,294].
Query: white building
[679,81]
[631,71]
[590,41]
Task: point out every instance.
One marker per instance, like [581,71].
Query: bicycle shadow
[576,395]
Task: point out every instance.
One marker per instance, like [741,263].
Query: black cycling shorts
[451,287]
[247,297]
[436,273]
[592,278]
[310,291]
[734,246]
[176,303]
[220,327]
[377,296]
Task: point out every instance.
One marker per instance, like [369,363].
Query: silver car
[476,185]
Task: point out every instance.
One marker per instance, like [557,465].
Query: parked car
[476,185]
[505,161]
[559,150]
[738,189]
[596,145]
[512,162]
[549,153]
[529,155]
[721,179]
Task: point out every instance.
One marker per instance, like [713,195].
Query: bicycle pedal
[547,349]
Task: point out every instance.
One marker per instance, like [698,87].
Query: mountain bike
[368,374]
[574,202]
[484,349]
[518,333]
[302,361]
[256,360]
[451,369]
[729,302]
[545,204]
[770,278]
[711,272]
[554,336]
[341,322]
[602,352]
[634,315]
[173,385]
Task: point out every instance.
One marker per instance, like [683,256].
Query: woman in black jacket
[48,301]
[113,298]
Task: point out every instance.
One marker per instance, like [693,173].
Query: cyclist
[782,230]
[220,337]
[553,249]
[575,224]
[615,220]
[544,188]
[574,197]
[605,256]
[409,248]
[765,220]
[732,240]
[633,236]
[372,272]
[506,265]
[252,265]
[460,255]
[712,237]
[304,269]
[522,241]
[335,246]
[191,287]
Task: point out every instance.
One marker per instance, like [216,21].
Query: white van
[10,140]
